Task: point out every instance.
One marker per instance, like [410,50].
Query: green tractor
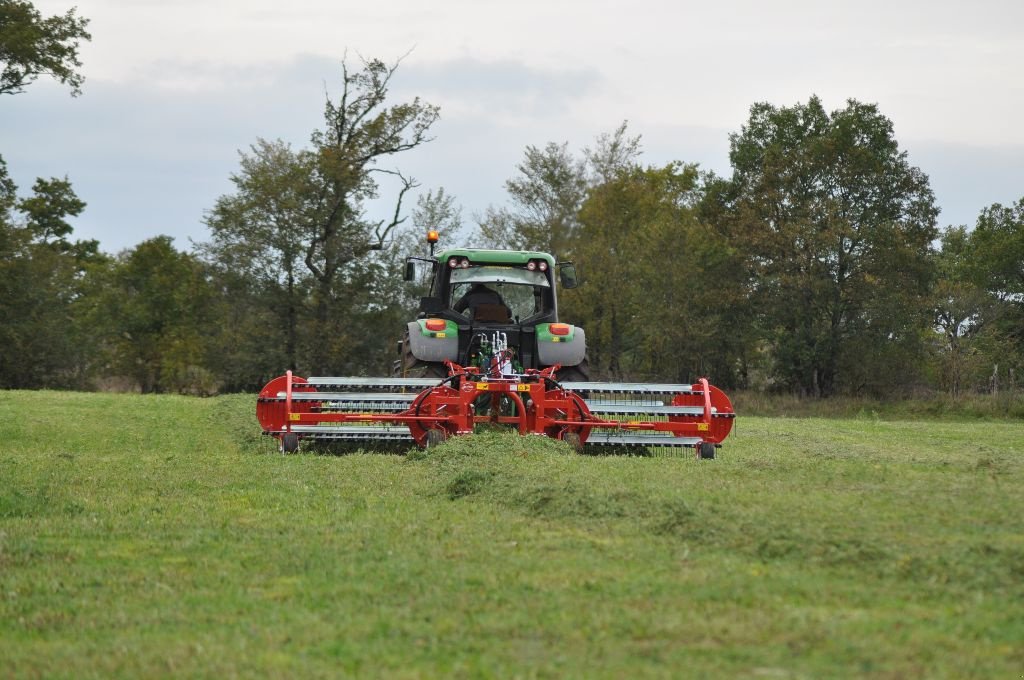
[487,349]
[489,306]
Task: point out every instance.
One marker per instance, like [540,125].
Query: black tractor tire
[706,451]
[578,373]
[436,437]
[411,367]
[289,442]
[573,440]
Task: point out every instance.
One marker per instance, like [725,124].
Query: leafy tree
[309,207]
[548,193]
[999,241]
[437,210]
[434,210]
[999,238]
[43,281]
[979,299]
[960,306]
[8,193]
[52,202]
[620,222]
[611,153]
[31,46]
[836,226]
[156,308]
[661,287]
[259,237]
[361,130]
[546,198]
[663,295]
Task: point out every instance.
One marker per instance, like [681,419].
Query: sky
[175,89]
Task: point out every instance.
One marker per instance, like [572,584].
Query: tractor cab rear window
[487,274]
[520,290]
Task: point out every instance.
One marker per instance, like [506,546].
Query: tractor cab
[484,300]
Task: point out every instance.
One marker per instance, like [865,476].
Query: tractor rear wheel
[411,367]
[578,373]
[289,442]
[573,440]
[436,437]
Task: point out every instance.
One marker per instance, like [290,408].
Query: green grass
[1003,405]
[162,536]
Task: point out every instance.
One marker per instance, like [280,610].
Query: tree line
[817,267]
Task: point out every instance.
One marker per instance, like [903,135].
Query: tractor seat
[491,313]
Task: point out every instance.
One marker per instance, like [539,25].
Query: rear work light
[543,266]
[436,324]
[559,329]
[464,264]
[453,262]
[531,265]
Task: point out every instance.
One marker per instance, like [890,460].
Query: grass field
[161,536]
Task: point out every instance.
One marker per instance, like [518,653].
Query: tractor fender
[566,350]
[433,347]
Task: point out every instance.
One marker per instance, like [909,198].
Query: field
[161,536]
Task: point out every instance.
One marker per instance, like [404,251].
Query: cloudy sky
[175,88]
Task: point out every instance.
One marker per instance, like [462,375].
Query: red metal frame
[542,406]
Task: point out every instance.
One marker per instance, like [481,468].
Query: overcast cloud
[175,88]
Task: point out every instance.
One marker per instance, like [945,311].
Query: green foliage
[45,211]
[8,192]
[156,312]
[44,341]
[436,210]
[999,241]
[836,227]
[625,223]
[257,248]
[810,271]
[666,299]
[148,535]
[31,46]
[546,197]
[297,225]
[648,312]
[979,302]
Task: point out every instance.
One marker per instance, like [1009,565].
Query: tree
[360,132]
[836,226]
[156,310]
[547,195]
[8,192]
[434,211]
[979,299]
[611,153]
[31,46]
[963,308]
[44,341]
[259,234]
[663,295]
[999,241]
[437,211]
[662,289]
[53,201]
[546,198]
[621,221]
[309,207]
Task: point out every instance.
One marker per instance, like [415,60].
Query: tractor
[488,348]
[488,302]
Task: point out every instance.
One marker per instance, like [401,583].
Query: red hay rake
[428,412]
